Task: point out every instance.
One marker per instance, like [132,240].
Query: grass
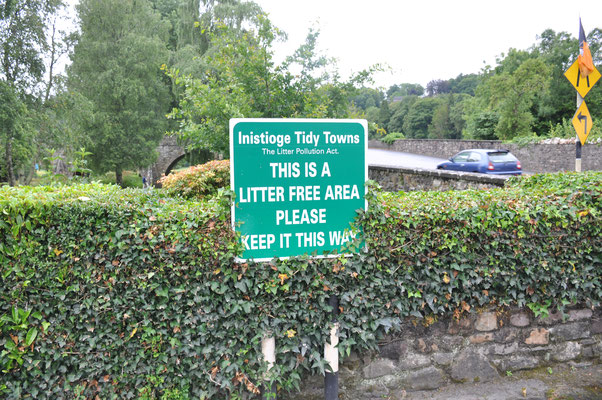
[130,178]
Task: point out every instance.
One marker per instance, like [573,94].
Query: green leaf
[31,336]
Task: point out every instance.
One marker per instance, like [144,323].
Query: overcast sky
[428,39]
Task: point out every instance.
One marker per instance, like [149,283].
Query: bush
[131,294]
[198,181]
[130,179]
[392,137]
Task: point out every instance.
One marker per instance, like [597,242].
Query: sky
[424,40]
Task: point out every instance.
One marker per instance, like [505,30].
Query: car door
[473,162]
[458,162]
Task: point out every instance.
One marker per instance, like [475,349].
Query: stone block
[579,315]
[372,389]
[566,351]
[596,327]
[479,338]
[472,367]
[414,361]
[394,350]
[505,335]
[449,343]
[443,359]
[504,349]
[463,325]
[426,379]
[574,331]
[588,352]
[379,367]
[551,319]
[486,322]
[519,361]
[538,336]
[520,319]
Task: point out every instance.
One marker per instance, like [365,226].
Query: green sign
[298,184]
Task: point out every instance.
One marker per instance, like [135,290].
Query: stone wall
[535,158]
[410,179]
[169,152]
[479,347]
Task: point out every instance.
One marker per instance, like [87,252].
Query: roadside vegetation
[127,293]
[191,68]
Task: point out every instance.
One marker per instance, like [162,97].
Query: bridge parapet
[393,179]
[535,158]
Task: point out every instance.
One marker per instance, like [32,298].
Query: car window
[501,157]
[474,157]
[461,157]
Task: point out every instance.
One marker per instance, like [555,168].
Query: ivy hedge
[110,293]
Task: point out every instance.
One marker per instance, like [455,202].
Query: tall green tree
[116,68]
[416,122]
[512,95]
[438,86]
[448,118]
[192,23]
[404,89]
[399,112]
[12,113]
[23,45]
[23,41]
[241,79]
[464,84]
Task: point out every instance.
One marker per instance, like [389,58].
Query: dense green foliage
[116,69]
[198,181]
[524,95]
[217,59]
[23,46]
[131,294]
[240,79]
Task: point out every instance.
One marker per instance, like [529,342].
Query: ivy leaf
[31,336]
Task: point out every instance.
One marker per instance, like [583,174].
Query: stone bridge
[169,155]
[535,158]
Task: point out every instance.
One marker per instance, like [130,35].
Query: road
[388,158]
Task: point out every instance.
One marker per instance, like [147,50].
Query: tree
[192,23]
[437,86]
[399,112]
[404,89]
[419,117]
[22,48]
[384,114]
[466,84]
[116,68]
[240,80]
[11,111]
[368,97]
[23,38]
[512,96]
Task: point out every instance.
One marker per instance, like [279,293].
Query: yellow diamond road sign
[582,121]
[582,84]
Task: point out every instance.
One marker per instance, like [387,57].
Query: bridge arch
[169,154]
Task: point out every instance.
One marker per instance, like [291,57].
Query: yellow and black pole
[583,75]
[578,141]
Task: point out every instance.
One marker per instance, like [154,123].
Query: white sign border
[235,121]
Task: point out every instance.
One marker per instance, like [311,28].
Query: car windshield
[499,157]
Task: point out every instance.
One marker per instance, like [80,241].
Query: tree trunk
[119,176]
[9,162]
